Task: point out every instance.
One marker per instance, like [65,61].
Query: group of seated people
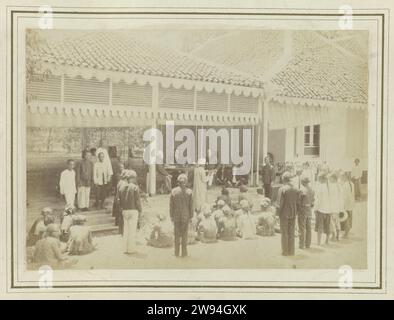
[226,219]
[50,242]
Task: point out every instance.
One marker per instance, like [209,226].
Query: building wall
[343,137]
[277,144]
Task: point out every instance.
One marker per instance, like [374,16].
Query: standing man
[288,199]
[102,176]
[268,176]
[84,178]
[356,178]
[181,213]
[130,204]
[67,183]
[305,215]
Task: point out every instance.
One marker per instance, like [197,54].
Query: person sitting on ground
[246,224]
[48,250]
[218,212]
[80,240]
[66,223]
[37,230]
[243,195]
[207,228]
[266,219]
[227,226]
[225,196]
[162,235]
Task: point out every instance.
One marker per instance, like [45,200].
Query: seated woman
[246,225]
[48,250]
[227,226]
[80,239]
[266,219]
[38,229]
[224,196]
[207,228]
[243,195]
[162,235]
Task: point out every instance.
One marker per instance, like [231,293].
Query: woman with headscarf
[199,185]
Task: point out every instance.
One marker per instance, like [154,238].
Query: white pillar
[258,153]
[152,167]
[265,124]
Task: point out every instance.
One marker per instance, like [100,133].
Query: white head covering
[107,160]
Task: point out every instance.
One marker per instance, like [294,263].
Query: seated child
[266,219]
[80,237]
[162,235]
[246,224]
[227,226]
[66,223]
[207,228]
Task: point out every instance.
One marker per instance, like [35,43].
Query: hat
[286,176]
[130,174]
[79,218]
[265,202]
[244,204]
[220,203]
[305,179]
[69,208]
[182,176]
[47,210]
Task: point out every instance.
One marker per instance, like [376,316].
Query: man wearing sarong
[84,180]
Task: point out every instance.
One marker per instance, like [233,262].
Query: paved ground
[263,252]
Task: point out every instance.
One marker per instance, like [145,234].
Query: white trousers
[83,197]
[70,198]
[130,218]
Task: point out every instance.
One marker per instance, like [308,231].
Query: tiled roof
[322,71]
[330,66]
[120,51]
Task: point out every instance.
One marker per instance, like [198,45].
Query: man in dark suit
[288,204]
[181,213]
[268,177]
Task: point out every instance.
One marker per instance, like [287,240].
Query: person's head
[265,203]
[86,154]
[267,160]
[121,167]
[182,180]
[286,177]
[49,219]
[101,156]
[206,210]
[70,164]
[305,180]
[46,211]
[226,210]
[93,151]
[306,165]
[322,177]
[260,191]
[131,176]
[220,203]
[298,171]
[69,209]
[225,192]
[243,189]
[79,220]
[356,161]
[53,230]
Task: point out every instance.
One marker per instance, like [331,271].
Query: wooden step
[104,229]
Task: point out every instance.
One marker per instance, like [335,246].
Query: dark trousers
[287,226]
[101,194]
[267,190]
[357,188]
[180,237]
[304,231]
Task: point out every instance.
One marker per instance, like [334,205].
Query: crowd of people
[307,195]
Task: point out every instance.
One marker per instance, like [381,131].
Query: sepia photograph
[159,148]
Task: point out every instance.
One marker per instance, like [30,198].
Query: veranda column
[152,167]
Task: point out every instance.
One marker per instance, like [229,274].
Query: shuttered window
[46,88]
[176,98]
[79,90]
[124,94]
[243,104]
[211,101]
